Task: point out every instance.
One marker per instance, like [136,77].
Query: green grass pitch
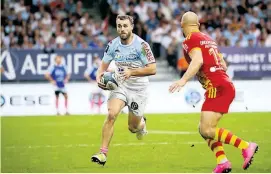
[66,143]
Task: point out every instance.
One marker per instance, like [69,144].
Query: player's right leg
[57,101]
[115,105]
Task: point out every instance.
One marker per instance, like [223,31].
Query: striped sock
[217,148]
[225,136]
[104,150]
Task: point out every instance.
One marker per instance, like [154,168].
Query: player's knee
[207,132]
[201,134]
[111,117]
[132,128]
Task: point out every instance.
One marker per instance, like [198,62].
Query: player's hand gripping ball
[109,81]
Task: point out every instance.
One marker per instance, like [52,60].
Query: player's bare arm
[149,69]
[223,63]
[102,68]
[67,78]
[49,78]
[196,62]
[193,68]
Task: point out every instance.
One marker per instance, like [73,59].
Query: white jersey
[135,55]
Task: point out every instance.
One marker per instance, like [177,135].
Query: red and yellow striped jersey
[211,74]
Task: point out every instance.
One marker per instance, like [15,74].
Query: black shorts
[60,92]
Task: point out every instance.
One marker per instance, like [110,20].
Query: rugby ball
[109,80]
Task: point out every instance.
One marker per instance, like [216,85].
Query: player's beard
[125,37]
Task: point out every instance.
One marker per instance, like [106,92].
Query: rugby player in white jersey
[134,62]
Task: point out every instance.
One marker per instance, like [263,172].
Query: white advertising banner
[84,98]
[39,99]
[251,96]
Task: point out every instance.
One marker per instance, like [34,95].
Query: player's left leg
[223,165]
[65,94]
[137,124]
[66,102]
[209,130]
[217,103]
[136,120]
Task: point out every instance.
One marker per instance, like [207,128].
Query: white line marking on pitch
[116,144]
[149,131]
[171,132]
[93,145]
[157,143]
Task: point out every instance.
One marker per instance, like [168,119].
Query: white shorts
[62,90]
[136,101]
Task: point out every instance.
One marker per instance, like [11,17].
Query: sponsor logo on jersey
[214,68]
[134,105]
[106,49]
[185,47]
[117,56]
[146,51]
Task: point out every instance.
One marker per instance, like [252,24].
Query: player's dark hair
[124,17]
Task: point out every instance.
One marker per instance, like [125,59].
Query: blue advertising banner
[31,65]
[248,63]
